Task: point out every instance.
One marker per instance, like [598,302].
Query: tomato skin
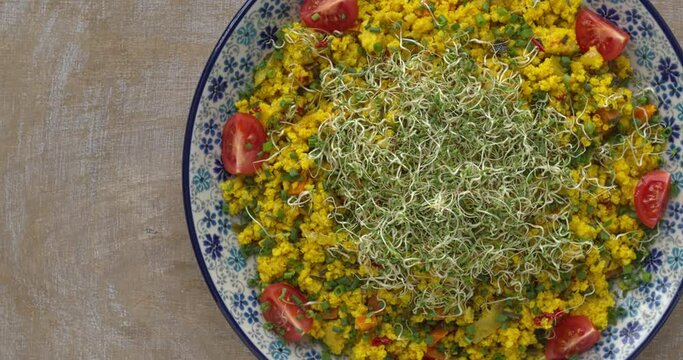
[330,15]
[573,335]
[242,142]
[592,30]
[284,312]
[380,340]
[651,197]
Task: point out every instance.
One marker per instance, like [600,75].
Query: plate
[656,58]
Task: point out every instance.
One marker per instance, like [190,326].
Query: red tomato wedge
[243,138]
[380,340]
[651,196]
[593,30]
[330,15]
[573,335]
[286,311]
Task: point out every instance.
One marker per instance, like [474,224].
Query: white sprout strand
[299,200]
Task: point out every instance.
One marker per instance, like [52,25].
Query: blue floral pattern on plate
[250,39]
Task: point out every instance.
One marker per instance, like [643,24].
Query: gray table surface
[95,260]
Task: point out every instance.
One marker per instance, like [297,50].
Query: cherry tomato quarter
[243,137]
[571,336]
[592,30]
[330,15]
[286,310]
[651,197]
[381,340]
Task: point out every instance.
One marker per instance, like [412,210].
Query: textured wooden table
[95,260]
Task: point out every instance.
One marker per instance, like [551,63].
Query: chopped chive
[502,12]
[480,20]
[510,30]
[374,29]
[340,289]
[278,54]
[525,32]
[441,21]
[470,330]
[265,306]
[590,129]
[646,277]
[267,246]
[581,275]
[501,318]
[254,282]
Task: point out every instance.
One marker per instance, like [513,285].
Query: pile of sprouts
[446,178]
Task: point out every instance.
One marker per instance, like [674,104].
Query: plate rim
[215,54]
[211,62]
[679,54]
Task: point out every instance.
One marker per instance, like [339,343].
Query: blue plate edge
[186,181]
[186,177]
[679,53]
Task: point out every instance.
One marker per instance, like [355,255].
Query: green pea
[566,61]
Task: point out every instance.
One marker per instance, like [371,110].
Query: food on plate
[650,197]
[283,308]
[445,179]
[242,150]
[593,30]
[329,15]
[571,336]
